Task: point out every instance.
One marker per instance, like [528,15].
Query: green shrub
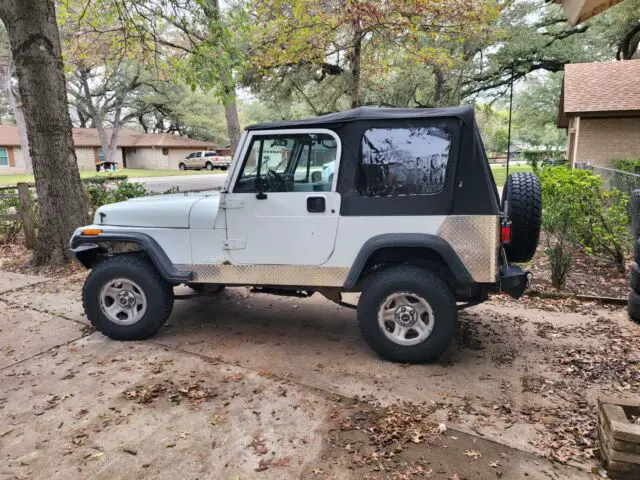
[10,229]
[577,209]
[627,178]
[102,194]
[535,157]
[104,179]
[631,165]
[560,260]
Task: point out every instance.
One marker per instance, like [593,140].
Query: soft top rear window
[403,161]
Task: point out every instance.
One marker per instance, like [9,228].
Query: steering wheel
[276,181]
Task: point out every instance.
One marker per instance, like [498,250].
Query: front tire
[407,314]
[182,166]
[125,298]
[209,166]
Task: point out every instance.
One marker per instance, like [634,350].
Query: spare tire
[522,203]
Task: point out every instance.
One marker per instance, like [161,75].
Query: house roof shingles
[601,87]
[88,137]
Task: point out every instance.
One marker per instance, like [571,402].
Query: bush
[101,194]
[627,178]
[535,157]
[10,229]
[560,215]
[560,260]
[631,165]
[104,179]
[578,210]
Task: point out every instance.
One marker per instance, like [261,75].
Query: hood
[157,211]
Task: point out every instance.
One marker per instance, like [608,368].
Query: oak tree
[35,47]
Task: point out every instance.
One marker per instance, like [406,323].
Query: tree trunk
[355,66]
[212,11]
[440,86]
[231,114]
[35,45]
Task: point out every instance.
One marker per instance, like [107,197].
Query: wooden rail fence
[24,210]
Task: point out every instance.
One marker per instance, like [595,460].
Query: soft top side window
[403,161]
[289,162]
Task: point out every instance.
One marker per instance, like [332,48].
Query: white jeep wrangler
[398,204]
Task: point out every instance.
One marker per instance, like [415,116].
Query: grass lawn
[500,172]
[130,172]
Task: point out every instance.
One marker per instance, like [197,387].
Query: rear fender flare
[402,240]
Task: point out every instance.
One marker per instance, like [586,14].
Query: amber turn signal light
[91,231]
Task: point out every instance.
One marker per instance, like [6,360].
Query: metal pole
[509,131]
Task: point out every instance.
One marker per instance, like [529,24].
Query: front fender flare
[85,246]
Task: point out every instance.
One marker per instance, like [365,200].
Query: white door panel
[279,230]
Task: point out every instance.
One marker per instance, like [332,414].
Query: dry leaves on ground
[195,393]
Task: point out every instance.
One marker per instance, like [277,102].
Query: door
[282,209]
[194,160]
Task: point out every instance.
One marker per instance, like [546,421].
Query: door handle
[316,204]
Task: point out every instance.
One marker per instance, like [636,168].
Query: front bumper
[514,281]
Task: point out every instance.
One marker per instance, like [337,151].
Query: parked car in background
[208,159]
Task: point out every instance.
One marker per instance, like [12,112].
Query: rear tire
[523,197]
[209,166]
[393,303]
[182,166]
[114,283]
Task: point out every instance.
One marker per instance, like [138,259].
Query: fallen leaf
[472,454]
[259,446]
[263,465]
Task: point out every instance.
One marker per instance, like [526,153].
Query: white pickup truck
[208,159]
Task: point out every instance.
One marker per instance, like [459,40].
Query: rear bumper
[513,280]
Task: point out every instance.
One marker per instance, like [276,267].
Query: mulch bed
[589,275]
[14,257]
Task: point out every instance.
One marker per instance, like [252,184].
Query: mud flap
[514,281]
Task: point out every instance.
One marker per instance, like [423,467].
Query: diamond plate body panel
[475,238]
[268,274]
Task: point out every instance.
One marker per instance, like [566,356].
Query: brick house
[600,108]
[153,151]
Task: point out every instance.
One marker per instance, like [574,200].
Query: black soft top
[469,188]
[465,114]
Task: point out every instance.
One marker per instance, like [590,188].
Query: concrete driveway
[242,385]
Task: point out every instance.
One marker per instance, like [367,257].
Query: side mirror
[260,185]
